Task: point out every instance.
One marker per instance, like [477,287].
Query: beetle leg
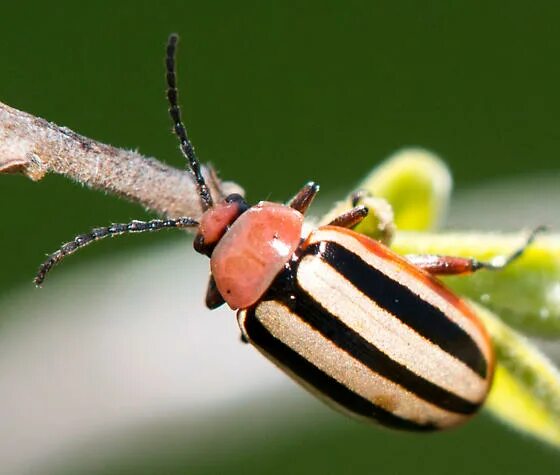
[304,197]
[351,218]
[445,265]
[213,297]
[215,182]
[381,209]
[451,265]
[359,196]
[240,317]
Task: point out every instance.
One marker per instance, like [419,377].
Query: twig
[33,146]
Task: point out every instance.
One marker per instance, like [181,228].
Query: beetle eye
[237,198]
[216,221]
[198,244]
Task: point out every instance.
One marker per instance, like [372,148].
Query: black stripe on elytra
[322,382]
[404,304]
[310,311]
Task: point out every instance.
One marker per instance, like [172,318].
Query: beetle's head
[215,222]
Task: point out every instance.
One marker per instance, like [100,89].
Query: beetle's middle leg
[350,218]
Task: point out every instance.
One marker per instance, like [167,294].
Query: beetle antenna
[99,233]
[185,146]
[499,262]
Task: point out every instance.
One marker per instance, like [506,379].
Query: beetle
[371,332]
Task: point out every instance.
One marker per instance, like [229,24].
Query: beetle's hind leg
[451,265]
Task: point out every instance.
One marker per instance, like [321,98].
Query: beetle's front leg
[213,297]
[304,197]
[214,300]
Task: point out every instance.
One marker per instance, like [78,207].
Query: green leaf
[526,388]
[526,293]
[415,182]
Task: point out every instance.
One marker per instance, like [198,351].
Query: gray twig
[33,146]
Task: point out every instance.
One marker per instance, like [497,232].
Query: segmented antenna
[110,231]
[186,146]
[499,262]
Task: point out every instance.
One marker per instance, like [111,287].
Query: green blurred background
[275,94]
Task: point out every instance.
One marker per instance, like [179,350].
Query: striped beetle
[370,332]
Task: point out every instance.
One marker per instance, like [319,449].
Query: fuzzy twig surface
[34,147]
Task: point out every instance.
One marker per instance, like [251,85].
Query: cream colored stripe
[302,338]
[395,272]
[380,328]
